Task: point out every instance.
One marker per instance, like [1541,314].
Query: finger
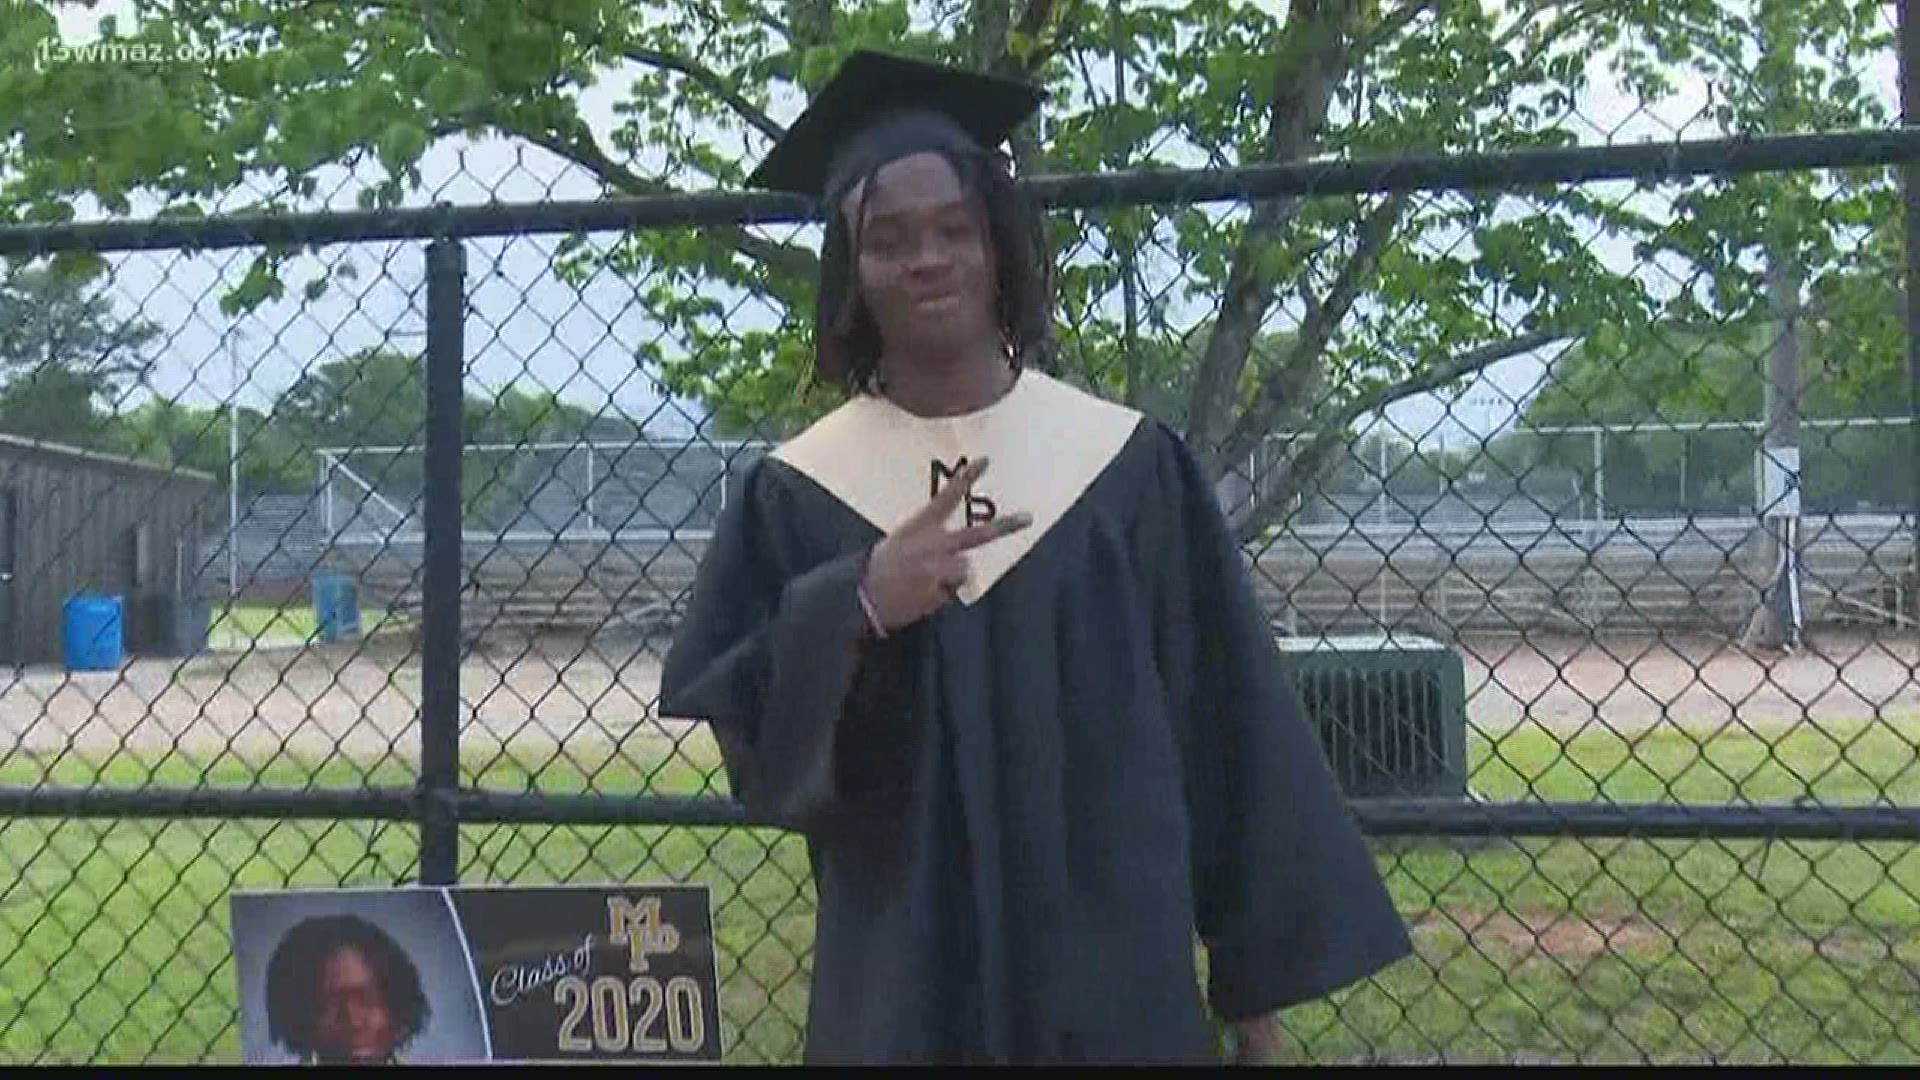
[947,499]
[953,575]
[987,532]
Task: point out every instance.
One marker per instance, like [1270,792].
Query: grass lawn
[114,947]
[263,626]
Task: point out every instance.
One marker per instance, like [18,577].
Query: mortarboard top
[880,107]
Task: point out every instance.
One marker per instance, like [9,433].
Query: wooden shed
[76,521]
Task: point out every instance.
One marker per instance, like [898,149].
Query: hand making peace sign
[921,565]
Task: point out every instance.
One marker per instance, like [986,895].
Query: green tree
[1660,389]
[55,404]
[518,415]
[69,363]
[1836,236]
[64,352]
[271,458]
[1390,296]
[378,398]
[375,398]
[372,406]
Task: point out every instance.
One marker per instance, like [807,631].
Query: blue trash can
[336,606]
[92,629]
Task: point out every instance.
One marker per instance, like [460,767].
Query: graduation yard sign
[478,974]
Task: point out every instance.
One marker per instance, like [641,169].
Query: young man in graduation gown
[986,641]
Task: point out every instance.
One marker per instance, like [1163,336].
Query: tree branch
[1313,58]
[1302,467]
[994,53]
[1467,363]
[1391,26]
[812,22]
[580,148]
[705,76]
[1323,318]
[718,86]
[772,22]
[992,35]
[669,61]
[1039,17]
[578,145]
[1576,10]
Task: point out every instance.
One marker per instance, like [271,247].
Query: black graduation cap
[878,108]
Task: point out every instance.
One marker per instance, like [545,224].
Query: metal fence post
[593,524]
[326,488]
[1909,32]
[1599,475]
[442,565]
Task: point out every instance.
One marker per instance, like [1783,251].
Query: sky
[527,325]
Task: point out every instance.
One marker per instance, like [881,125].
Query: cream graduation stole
[1047,442]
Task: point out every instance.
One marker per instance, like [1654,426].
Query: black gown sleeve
[771,654]
[1288,899]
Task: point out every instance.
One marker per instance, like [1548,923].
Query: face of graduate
[354,1023]
[926,264]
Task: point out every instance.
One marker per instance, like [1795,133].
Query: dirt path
[534,698]
[360,702]
[1633,684]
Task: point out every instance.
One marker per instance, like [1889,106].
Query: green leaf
[448,91]
[402,143]
[78,265]
[1465,271]
[261,284]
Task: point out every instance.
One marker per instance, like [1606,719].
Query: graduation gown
[1020,810]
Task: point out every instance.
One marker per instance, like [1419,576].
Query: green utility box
[1390,711]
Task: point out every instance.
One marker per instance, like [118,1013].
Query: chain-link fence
[1530,569]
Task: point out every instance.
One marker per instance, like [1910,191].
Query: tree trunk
[991,24]
[991,33]
[1313,58]
[1776,619]
[1124,246]
[811,21]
